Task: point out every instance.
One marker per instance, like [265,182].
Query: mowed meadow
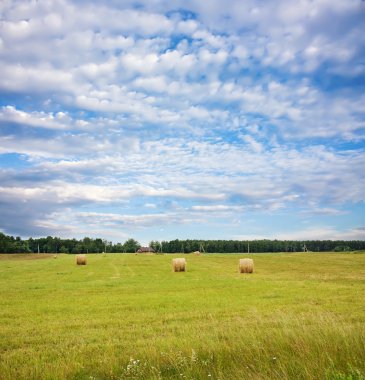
[123,316]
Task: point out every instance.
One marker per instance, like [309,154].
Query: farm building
[145,250]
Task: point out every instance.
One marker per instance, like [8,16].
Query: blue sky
[183,119]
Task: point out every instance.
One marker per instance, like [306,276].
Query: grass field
[298,316]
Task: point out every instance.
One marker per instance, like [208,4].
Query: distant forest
[49,244]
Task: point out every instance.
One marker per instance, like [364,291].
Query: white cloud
[39,79]
[258,177]
[187,27]
[106,83]
[241,106]
[58,121]
[217,208]
[314,233]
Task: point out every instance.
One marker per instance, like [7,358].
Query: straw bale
[246,266]
[179,265]
[81,260]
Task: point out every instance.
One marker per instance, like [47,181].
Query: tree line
[264,245]
[49,244]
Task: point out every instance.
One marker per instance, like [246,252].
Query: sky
[166,119]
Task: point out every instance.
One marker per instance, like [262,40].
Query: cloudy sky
[164,119]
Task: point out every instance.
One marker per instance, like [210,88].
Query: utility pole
[248,247]
[38,248]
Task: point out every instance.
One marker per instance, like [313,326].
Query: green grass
[298,316]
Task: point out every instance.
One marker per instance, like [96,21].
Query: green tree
[63,249]
[131,246]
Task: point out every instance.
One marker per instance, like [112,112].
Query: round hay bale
[246,266]
[55,256]
[179,265]
[196,253]
[81,259]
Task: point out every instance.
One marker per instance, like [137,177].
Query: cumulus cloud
[318,233]
[201,174]
[60,120]
[220,112]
